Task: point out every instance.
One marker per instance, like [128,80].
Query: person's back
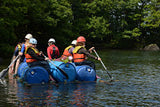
[24,46]
[68,51]
[15,54]
[80,53]
[52,50]
[35,58]
[21,53]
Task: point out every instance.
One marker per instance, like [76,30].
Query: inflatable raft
[69,69]
[32,75]
[38,74]
[85,73]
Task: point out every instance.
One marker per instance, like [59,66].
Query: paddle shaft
[103,64]
[13,61]
[57,67]
[4,71]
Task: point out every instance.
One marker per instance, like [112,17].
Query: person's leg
[78,63]
[45,64]
[11,69]
[16,67]
[91,64]
[86,62]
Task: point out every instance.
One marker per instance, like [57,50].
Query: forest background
[109,24]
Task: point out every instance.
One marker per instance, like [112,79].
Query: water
[137,83]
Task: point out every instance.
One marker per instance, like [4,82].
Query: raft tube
[33,75]
[68,68]
[85,73]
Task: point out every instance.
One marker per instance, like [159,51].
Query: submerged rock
[151,47]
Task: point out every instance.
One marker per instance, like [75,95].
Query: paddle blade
[62,72]
[3,73]
[3,81]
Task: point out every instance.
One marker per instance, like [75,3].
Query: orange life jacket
[76,56]
[66,52]
[29,58]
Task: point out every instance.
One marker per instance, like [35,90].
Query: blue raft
[85,73]
[68,68]
[39,74]
[33,75]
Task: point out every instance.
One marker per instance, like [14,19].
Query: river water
[137,83]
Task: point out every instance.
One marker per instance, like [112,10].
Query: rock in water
[151,47]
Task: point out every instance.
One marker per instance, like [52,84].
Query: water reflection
[70,94]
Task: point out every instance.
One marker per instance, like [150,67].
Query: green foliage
[152,15]
[131,34]
[110,23]
[98,27]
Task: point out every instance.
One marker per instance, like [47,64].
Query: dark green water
[138,85]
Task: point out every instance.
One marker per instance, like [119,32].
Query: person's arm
[22,50]
[83,51]
[90,50]
[33,54]
[71,50]
[16,52]
[49,52]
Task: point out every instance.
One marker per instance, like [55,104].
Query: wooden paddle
[61,70]
[4,71]
[103,65]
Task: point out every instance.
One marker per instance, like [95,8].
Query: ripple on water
[138,85]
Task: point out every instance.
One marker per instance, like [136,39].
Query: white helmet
[51,40]
[74,42]
[33,41]
[28,36]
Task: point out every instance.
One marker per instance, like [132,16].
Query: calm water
[138,85]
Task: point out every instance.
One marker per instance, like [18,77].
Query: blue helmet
[33,41]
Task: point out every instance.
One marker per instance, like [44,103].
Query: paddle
[57,67]
[4,71]
[103,65]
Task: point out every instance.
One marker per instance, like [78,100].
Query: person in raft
[52,50]
[35,58]
[15,54]
[21,53]
[79,56]
[68,52]
[80,53]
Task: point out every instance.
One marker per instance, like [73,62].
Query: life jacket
[19,47]
[25,47]
[54,55]
[66,51]
[76,56]
[28,57]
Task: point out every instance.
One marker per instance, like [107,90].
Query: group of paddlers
[76,52]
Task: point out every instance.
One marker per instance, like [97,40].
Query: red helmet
[81,39]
